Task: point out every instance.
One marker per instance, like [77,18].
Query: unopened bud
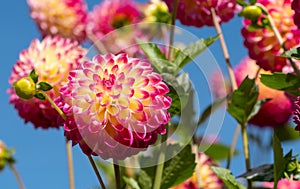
[25,88]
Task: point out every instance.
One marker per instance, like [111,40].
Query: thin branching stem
[17,175]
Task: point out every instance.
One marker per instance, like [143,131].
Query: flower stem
[98,44]
[233,144]
[117,175]
[17,175]
[230,73]
[246,151]
[97,172]
[59,111]
[68,143]
[224,49]
[70,164]
[172,30]
[279,38]
[161,160]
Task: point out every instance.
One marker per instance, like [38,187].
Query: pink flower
[66,18]
[52,59]
[115,106]
[208,178]
[262,43]
[297,113]
[274,112]
[296,8]
[197,12]
[283,184]
[112,14]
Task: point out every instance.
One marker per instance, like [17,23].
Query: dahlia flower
[296,8]
[273,113]
[112,14]
[297,113]
[197,12]
[52,60]
[283,184]
[115,106]
[157,11]
[208,179]
[66,18]
[262,44]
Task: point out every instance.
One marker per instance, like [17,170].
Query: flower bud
[2,155]
[25,88]
[251,12]
[157,11]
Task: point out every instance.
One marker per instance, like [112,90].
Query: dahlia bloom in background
[115,106]
[297,113]
[197,12]
[52,60]
[296,8]
[112,14]
[2,155]
[208,179]
[66,18]
[262,43]
[283,184]
[274,112]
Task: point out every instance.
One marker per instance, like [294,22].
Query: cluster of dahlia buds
[5,156]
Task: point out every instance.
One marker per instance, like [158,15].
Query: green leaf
[145,180]
[33,76]
[241,2]
[257,107]
[131,182]
[40,96]
[252,2]
[211,108]
[284,82]
[179,91]
[243,101]
[218,152]
[228,179]
[179,168]
[279,161]
[287,133]
[156,57]
[44,86]
[292,53]
[263,173]
[192,51]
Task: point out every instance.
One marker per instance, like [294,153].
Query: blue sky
[40,154]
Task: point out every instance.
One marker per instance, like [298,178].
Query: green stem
[17,175]
[246,151]
[117,175]
[59,111]
[161,160]
[172,30]
[97,172]
[233,144]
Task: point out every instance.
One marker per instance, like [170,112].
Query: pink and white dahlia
[284,184]
[66,18]
[262,43]
[112,14]
[273,113]
[52,59]
[115,106]
[208,179]
[198,12]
